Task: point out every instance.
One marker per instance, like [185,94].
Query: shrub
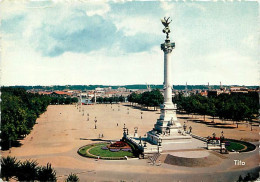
[9,167]
[27,171]
[72,178]
[46,173]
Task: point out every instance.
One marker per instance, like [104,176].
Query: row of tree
[108,99]
[20,111]
[29,170]
[149,99]
[236,107]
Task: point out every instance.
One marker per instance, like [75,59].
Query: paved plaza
[62,129]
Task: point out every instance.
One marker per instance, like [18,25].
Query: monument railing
[199,137]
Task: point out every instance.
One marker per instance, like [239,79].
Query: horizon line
[125,85]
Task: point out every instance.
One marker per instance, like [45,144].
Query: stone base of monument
[167,143]
[177,137]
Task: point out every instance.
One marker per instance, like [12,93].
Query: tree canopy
[236,106]
[20,111]
[149,99]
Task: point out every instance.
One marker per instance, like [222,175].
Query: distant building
[204,93]
[121,89]
[238,90]
[61,93]
[44,93]
[99,90]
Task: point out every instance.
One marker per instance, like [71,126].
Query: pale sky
[82,42]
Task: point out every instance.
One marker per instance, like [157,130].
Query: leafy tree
[121,99]
[204,107]
[74,100]
[155,98]
[134,98]
[149,99]
[212,110]
[61,100]
[105,100]
[67,100]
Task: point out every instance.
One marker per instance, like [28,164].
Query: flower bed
[104,148]
[119,145]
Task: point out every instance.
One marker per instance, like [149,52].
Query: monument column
[167,49]
[168,120]
[167,129]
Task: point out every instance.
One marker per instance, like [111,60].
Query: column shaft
[167,77]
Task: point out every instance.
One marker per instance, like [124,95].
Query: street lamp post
[140,138]
[222,143]
[95,123]
[184,126]
[124,129]
[159,144]
[144,140]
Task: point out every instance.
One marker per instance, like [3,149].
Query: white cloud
[9,8]
[251,41]
[228,66]
[97,8]
[167,5]
[130,26]
[75,68]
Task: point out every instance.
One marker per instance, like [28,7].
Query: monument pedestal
[167,129]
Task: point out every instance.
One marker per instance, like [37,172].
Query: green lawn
[96,150]
[249,146]
[83,150]
[106,153]
[235,146]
